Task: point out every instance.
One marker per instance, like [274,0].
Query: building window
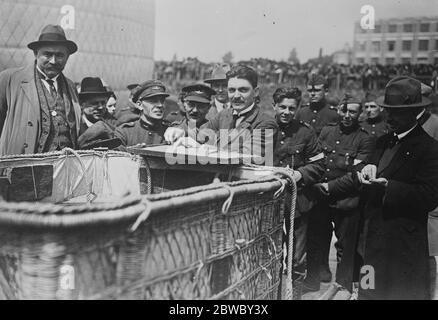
[361,46]
[407,45]
[423,45]
[436,44]
[360,60]
[436,60]
[423,60]
[406,60]
[376,46]
[377,28]
[390,60]
[374,60]
[424,27]
[392,28]
[391,45]
[407,27]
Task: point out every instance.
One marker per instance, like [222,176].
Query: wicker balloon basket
[217,241]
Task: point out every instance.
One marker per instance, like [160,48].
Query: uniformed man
[318,113]
[347,147]
[196,103]
[374,121]
[296,147]
[150,127]
[218,83]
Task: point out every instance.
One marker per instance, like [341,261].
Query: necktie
[52,87]
[233,122]
[389,153]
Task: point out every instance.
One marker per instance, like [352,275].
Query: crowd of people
[365,76]
[366,169]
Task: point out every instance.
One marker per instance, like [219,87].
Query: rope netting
[219,241]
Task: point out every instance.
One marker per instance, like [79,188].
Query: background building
[115,37]
[398,40]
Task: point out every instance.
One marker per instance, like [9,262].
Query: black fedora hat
[51,35]
[403,92]
[93,87]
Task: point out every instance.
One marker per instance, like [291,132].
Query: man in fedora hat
[218,83]
[98,124]
[149,129]
[39,111]
[399,187]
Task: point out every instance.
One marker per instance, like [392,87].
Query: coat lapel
[403,154]
[29,87]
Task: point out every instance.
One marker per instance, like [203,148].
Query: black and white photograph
[233,151]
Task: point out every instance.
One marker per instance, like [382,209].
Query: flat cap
[149,89]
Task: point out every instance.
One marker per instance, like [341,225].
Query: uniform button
[281,162]
[282,132]
[54,113]
[337,142]
[30,124]
[373,125]
[331,160]
[373,132]
[25,145]
[281,142]
[150,133]
[314,111]
[334,151]
[44,119]
[297,151]
[327,170]
[314,120]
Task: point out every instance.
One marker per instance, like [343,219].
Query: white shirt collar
[404,134]
[244,111]
[55,82]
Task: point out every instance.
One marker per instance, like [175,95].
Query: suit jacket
[20,113]
[396,218]
[249,137]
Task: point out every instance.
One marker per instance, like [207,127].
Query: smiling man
[297,148]
[244,127]
[39,111]
[149,129]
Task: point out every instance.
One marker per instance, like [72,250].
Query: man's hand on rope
[322,189]
[297,176]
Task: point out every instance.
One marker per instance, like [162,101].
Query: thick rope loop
[227,204]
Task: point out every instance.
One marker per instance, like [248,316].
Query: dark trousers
[299,248]
[346,227]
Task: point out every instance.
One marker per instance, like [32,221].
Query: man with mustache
[39,110]
[297,148]
[318,113]
[375,122]
[347,147]
[150,127]
[218,83]
[196,103]
[244,127]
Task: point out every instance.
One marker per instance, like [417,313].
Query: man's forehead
[53,48]
[288,102]
[352,106]
[239,82]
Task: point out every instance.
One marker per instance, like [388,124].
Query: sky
[207,29]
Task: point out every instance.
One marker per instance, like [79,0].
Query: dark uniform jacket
[396,217]
[376,127]
[297,147]
[317,116]
[346,150]
[250,131]
[132,133]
